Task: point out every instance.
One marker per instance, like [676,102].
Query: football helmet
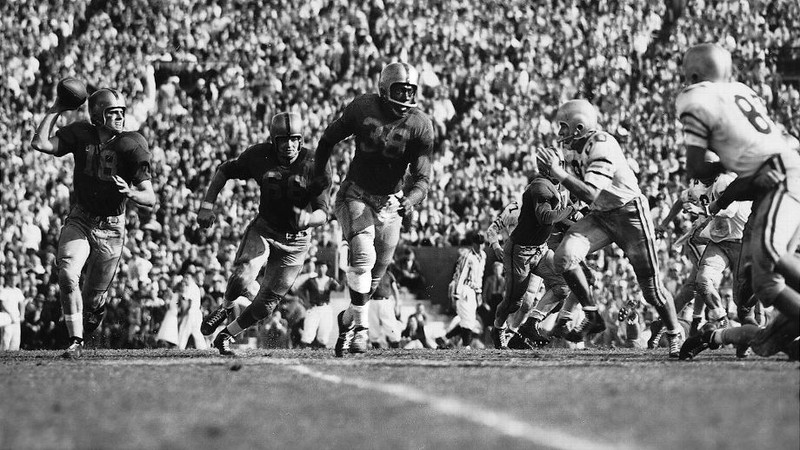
[398,86]
[284,126]
[100,102]
[576,119]
[707,62]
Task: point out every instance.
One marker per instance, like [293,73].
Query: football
[71,92]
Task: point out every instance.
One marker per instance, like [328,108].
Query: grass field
[398,399]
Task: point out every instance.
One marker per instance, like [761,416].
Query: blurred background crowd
[203,78]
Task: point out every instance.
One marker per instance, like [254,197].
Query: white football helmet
[707,62]
[576,119]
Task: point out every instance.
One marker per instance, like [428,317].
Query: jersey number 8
[759,122]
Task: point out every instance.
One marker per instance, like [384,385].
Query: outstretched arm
[205,216]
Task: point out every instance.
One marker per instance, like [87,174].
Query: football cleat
[93,319]
[592,323]
[771,339]
[360,340]
[674,342]
[517,342]
[345,336]
[500,338]
[75,349]
[442,343]
[561,328]
[214,320]
[223,343]
[697,343]
[742,351]
[657,330]
[529,331]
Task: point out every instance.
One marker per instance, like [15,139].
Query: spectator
[408,273]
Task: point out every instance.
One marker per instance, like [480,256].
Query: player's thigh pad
[586,236]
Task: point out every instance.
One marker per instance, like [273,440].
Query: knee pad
[359,279]
[67,282]
[652,292]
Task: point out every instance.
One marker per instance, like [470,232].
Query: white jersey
[731,120]
[728,224]
[502,226]
[604,166]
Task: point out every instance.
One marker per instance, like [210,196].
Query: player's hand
[302,217]
[122,186]
[694,209]
[404,206]
[767,180]
[205,217]
[548,161]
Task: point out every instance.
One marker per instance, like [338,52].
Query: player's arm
[337,131]
[676,208]
[320,206]
[419,170]
[141,193]
[43,139]
[740,189]
[546,215]
[140,190]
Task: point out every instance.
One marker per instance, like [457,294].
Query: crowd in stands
[202,79]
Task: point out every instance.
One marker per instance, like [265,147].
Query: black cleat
[518,342]
[223,343]
[75,349]
[657,330]
[500,338]
[345,336]
[214,320]
[93,319]
[697,343]
[592,323]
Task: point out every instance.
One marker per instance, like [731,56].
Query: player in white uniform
[729,119]
[618,214]
[465,288]
[724,236]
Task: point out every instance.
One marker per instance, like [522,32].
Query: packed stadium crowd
[203,79]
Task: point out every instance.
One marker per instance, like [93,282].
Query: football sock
[74,324]
[234,328]
[360,315]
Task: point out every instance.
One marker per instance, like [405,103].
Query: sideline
[500,422]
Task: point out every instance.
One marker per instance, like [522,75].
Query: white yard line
[498,421]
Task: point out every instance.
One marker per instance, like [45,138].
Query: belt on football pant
[111,220]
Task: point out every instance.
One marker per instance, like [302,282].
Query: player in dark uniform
[526,253]
[279,236]
[391,135]
[111,166]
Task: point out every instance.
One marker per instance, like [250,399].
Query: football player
[691,246]
[729,119]
[391,136]
[465,288]
[112,166]
[618,214]
[526,253]
[279,236]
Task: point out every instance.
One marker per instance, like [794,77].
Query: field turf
[398,399]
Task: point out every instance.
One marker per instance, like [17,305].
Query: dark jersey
[318,293]
[282,187]
[541,209]
[126,155]
[385,145]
